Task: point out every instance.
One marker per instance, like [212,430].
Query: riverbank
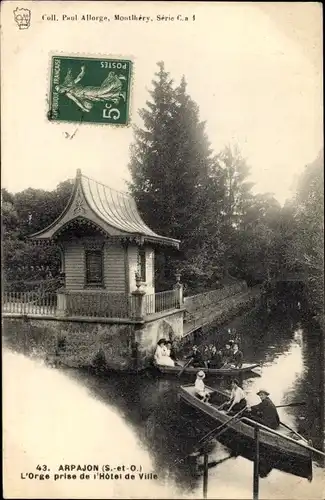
[84,343]
[86,419]
[223,313]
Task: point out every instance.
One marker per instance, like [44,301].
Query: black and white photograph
[162,238]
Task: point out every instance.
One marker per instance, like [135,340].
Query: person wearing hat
[197,358]
[200,389]
[227,354]
[206,355]
[215,360]
[265,412]
[159,351]
[237,399]
[237,356]
[161,356]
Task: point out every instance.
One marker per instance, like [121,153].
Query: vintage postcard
[162,250]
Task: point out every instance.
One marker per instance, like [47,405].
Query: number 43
[41,467]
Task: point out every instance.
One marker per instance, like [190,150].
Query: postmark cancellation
[90,90]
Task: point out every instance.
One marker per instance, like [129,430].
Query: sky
[255,70]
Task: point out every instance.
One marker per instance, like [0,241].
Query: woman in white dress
[161,356]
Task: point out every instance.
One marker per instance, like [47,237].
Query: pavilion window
[142,264]
[94,267]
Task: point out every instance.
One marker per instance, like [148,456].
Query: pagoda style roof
[113,212]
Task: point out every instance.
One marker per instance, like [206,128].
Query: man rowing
[237,399]
[265,412]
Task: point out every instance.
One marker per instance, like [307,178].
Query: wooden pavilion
[107,250]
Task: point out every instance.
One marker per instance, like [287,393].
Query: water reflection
[167,430]
[51,419]
[170,431]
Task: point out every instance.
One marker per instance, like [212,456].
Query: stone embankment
[223,312]
[124,347]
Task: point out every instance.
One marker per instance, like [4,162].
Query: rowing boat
[280,443]
[191,370]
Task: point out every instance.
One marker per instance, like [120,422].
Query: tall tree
[170,166]
[309,238]
[236,199]
[255,255]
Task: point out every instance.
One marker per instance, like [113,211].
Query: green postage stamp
[90,90]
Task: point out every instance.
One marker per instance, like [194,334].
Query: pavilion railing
[104,304]
[29,303]
[88,303]
[97,304]
[161,301]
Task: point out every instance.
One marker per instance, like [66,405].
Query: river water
[73,417]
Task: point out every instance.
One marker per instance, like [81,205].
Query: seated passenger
[237,357]
[265,412]
[171,350]
[206,355]
[161,356]
[231,343]
[227,355]
[215,360]
[200,389]
[197,358]
[237,400]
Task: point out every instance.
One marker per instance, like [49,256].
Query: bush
[99,361]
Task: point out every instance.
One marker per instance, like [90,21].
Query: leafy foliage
[170,167]
[186,191]
[307,253]
[27,265]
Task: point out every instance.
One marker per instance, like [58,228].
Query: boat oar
[218,429]
[298,403]
[273,431]
[294,432]
[218,462]
[311,448]
[185,366]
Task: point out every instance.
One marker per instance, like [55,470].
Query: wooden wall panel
[74,257]
[114,268]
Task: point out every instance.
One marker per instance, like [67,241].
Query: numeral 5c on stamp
[90,90]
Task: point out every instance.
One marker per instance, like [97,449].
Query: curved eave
[115,208]
[113,211]
[136,238]
[120,211]
[163,241]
